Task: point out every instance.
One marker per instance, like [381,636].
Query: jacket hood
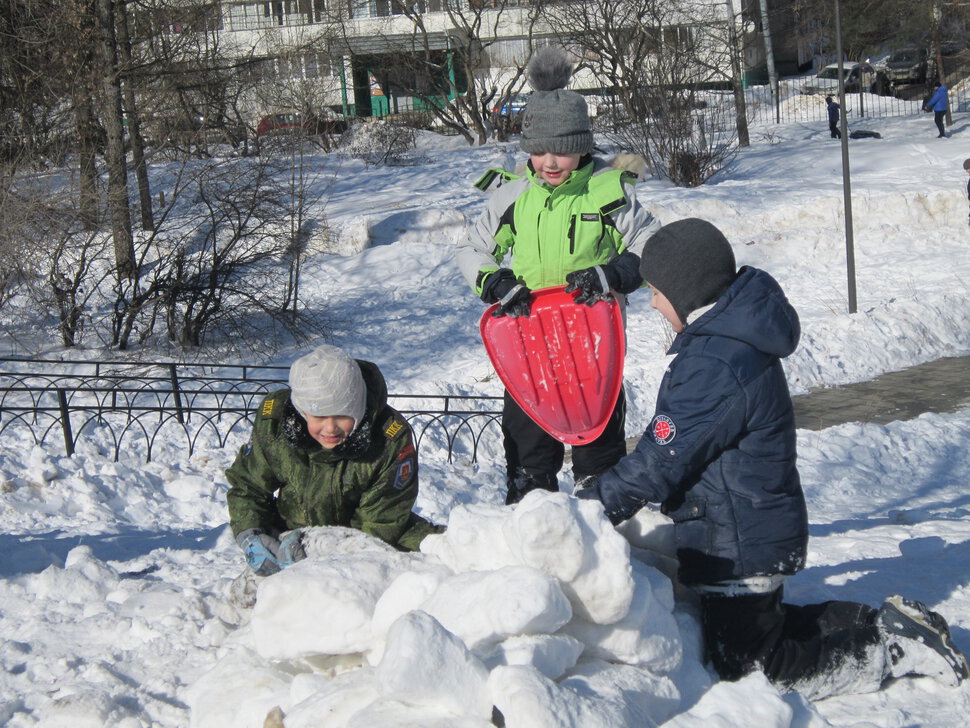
[376,390]
[753,310]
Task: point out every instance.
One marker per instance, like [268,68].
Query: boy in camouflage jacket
[328,451]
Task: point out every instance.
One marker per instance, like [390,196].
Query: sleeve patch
[394,428]
[405,469]
[663,429]
[267,409]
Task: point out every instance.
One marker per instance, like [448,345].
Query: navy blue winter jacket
[719,454]
[833,112]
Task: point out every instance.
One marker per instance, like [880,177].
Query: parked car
[826,81]
[293,122]
[509,114]
[907,65]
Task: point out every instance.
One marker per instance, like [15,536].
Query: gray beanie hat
[690,262]
[328,382]
[555,120]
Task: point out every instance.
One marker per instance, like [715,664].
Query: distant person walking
[938,103]
[966,168]
[834,110]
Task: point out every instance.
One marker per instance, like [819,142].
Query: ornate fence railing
[127,410]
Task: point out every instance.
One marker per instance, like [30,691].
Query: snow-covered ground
[119,604]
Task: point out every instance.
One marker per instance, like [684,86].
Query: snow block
[550,654]
[564,537]
[529,700]
[339,592]
[646,699]
[532,603]
[647,636]
[425,665]
[332,702]
[750,701]
[237,693]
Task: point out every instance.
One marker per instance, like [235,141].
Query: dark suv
[907,65]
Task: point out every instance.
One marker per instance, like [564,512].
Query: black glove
[593,283]
[513,298]
[517,302]
[622,274]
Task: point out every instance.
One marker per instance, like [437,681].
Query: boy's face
[329,431]
[666,309]
[554,168]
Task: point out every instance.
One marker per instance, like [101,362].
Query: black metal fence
[792,105]
[126,410]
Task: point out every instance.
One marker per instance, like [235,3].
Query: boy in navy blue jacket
[719,456]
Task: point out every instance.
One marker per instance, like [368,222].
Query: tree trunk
[134,124]
[87,134]
[118,208]
[737,81]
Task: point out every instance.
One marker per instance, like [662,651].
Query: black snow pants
[826,645]
[533,457]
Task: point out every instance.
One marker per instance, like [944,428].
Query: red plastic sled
[562,364]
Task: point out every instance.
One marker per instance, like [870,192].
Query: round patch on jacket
[663,428]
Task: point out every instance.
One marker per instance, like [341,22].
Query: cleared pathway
[937,386]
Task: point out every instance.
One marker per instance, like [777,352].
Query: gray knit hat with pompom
[555,121]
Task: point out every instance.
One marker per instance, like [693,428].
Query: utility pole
[938,52]
[846,184]
[770,59]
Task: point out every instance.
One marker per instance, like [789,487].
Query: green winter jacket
[588,220]
[282,479]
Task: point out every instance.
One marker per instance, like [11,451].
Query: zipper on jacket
[571,234]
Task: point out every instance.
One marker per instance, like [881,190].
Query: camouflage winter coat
[283,479]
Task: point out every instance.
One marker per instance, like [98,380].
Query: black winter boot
[522,482]
[918,642]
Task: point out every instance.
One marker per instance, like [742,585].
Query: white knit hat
[327,382]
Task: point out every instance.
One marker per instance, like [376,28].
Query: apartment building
[373,57]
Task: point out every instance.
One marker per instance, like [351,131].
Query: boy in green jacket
[571,219]
[328,451]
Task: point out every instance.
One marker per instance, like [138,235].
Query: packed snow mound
[537,610]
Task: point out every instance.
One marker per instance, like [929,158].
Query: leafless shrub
[381,141]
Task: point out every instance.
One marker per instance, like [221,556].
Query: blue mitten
[262,551]
[291,547]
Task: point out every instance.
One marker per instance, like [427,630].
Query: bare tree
[660,60]
[113,118]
